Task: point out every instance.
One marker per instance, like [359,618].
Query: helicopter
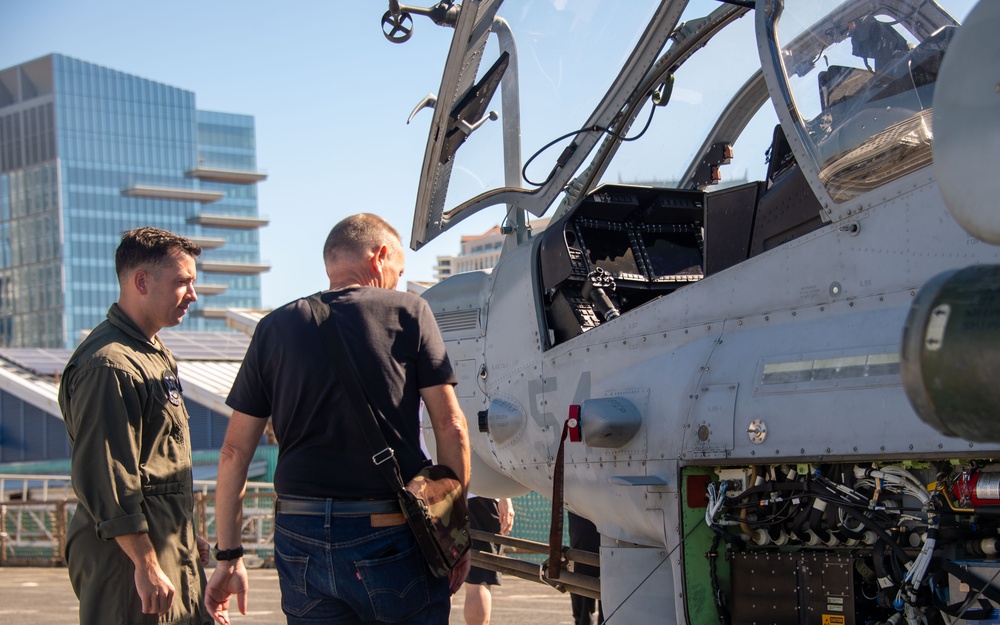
[775,398]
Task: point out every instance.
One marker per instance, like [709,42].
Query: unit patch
[172,386]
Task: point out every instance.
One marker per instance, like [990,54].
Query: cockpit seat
[788,208]
[858,103]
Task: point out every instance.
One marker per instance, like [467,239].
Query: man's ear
[140,281]
[379,258]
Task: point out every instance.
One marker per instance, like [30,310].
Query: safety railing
[35,511]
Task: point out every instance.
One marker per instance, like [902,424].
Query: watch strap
[223,555]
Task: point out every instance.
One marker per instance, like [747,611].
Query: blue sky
[330,96]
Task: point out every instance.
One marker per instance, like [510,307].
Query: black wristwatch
[228,554]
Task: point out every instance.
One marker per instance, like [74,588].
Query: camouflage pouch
[435,509]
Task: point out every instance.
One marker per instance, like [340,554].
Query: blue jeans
[339,570]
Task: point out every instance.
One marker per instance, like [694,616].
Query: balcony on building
[233,176]
[173,193]
[208,243]
[244,319]
[211,313]
[210,289]
[244,269]
[228,221]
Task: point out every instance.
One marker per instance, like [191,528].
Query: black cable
[880,556]
[720,599]
[777,518]
[571,148]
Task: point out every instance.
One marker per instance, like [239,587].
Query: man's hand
[229,578]
[458,574]
[155,590]
[505,509]
[204,550]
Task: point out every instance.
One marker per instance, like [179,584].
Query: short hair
[357,235]
[150,246]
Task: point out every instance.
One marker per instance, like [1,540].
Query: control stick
[597,281]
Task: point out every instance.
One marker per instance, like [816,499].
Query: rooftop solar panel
[219,346]
[206,345]
[48,362]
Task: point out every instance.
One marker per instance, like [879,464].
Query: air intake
[458,320]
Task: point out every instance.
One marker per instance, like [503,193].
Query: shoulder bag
[433,502]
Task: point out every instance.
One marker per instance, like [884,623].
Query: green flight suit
[131,468]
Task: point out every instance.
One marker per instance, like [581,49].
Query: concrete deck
[43,596]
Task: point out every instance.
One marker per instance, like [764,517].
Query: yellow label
[833,619]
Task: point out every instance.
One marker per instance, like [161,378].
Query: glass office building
[86,153]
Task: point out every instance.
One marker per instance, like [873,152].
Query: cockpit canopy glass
[860,83]
[567,53]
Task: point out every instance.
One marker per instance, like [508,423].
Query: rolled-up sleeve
[106,424]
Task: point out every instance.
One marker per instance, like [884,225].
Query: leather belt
[381,513]
[337,507]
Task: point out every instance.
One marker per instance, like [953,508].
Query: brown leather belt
[385,513]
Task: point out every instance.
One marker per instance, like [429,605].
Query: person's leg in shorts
[484,516]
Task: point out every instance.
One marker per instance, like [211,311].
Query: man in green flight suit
[131,548]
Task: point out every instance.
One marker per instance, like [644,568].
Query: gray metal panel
[729,216]
[710,426]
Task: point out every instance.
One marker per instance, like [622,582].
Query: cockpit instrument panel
[627,244]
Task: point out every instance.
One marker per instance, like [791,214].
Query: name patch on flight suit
[172,386]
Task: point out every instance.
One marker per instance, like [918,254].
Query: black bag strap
[385,459]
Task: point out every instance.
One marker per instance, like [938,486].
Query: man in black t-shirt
[343,551]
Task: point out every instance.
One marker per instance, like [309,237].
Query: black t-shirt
[289,375]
